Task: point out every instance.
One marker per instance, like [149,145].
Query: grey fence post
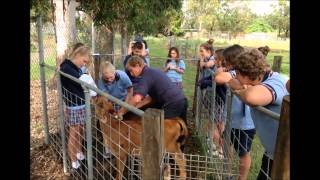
[186,48]
[43,81]
[196,89]
[198,107]
[88,132]
[213,109]
[227,131]
[61,120]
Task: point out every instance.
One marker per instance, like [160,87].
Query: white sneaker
[107,153]
[80,156]
[75,164]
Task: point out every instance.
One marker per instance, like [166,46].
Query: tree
[130,17]
[65,27]
[201,14]
[234,17]
[280,18]
[259,25]
[41,7]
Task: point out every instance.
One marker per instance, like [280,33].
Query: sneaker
[75,164]
[80,156]
[107,153]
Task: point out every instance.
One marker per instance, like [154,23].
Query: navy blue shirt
[159,87]
[72,91]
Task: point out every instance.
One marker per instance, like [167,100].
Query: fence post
[186,47]
[88,132]
[276,66]
[152,138]
[227,131]
[61,120]
[196,90]
[213,113]
[281,163]
[43,81]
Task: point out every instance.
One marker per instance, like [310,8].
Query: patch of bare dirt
[43,163]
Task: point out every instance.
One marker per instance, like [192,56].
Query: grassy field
[158,48]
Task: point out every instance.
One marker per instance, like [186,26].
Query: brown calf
[122,137]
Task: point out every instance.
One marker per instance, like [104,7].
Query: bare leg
[75,141]
[244,167]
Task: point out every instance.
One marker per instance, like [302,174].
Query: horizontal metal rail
[273,115]
[100,92]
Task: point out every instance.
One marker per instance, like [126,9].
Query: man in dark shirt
[158,87]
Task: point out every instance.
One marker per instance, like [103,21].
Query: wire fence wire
[218,138]
[106,132]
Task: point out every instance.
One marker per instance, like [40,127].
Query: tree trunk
[65,31]
[71,22]
[286,32]
[124,43]
[60,31]
[171,41]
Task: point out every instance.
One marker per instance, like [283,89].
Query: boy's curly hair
[251,63]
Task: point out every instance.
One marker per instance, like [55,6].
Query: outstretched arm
[222,77]
[134,101]
[258,95]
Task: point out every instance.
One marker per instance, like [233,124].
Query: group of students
[138,85]
[249,76]
[245,71]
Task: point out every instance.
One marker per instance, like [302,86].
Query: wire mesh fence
[220,140]
[196,166]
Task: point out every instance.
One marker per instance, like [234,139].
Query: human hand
[235,84]
[119,116]
[171,66]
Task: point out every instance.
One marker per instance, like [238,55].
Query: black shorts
[244,138]
[177,109]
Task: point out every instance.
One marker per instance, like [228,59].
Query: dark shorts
[243,138]
[177,109]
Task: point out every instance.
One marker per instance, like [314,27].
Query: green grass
[49,59]
[257,151]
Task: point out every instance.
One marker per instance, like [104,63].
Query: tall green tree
[130,17]
[234,17]
[43,8]
[280,18]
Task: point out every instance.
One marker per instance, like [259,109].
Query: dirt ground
[44,164]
